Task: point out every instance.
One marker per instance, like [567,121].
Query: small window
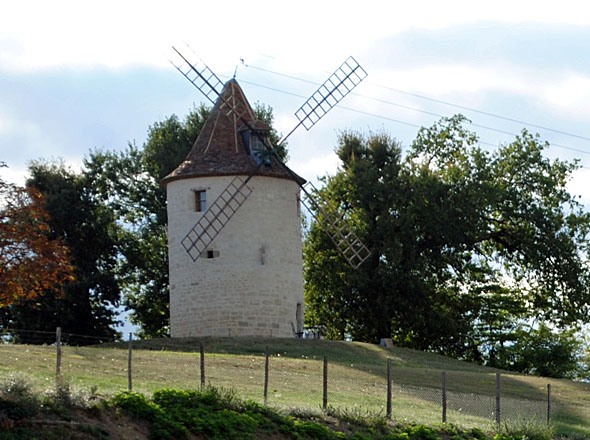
[210,253]
[256,142]
[200,200]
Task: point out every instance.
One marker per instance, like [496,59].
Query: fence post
[548,403]
[325,398]
[202,364]
[389,389]
[266,366]
[498,417]
[129,357]
[444,397]
[58,352]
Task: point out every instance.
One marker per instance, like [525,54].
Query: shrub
[314,430]
[529,429]
[17,399]
[137,406]
[421,432]
[211,412]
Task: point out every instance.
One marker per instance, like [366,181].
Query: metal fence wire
[306,382]
[460,406]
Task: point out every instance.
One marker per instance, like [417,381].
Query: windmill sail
[346,241]
[198,239]
[205,80]
[333,90]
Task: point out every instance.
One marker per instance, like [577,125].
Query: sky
[79,76]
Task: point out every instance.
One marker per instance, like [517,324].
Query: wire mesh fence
[39,337]
[307,382]
[472,408]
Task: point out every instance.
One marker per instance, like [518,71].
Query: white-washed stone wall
[254,286]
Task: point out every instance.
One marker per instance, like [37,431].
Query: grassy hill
[357,378]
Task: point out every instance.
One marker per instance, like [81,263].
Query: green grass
[357,378]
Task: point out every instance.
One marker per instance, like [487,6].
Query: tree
[32,264]
[87,304]
[541,351]
[128,185]
[465,242]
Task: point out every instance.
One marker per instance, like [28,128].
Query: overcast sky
[76,76]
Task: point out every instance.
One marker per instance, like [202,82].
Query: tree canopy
[112,216]
[86,303]
[32,261]
[466,243]
[128,184]
[479,254]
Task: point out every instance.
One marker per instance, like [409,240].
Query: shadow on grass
[411,368]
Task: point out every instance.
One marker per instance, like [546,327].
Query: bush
[138,407]
[529,429]
[217,415]
[17,399]
[211,412]
[314,430]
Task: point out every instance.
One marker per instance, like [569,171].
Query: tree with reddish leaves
[31,262]
[86,308]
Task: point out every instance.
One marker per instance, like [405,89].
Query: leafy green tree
[542,351]
[87,303]
[465,242]
[128,184]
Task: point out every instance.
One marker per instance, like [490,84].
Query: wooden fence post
[325,397]
[548,403]
[129,357]
[58,352]
[266,366]
[202,364]
[498,414]
[389,389]
[444,397]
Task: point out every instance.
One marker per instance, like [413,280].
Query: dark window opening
[256,142]
[200,200]
[210,253]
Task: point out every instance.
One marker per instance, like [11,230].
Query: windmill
[236,124]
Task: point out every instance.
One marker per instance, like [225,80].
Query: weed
[17,399]
[358,417]
[63,396]
[16,387]
[134,404]
[421,432]
[211,412]
[137,406]
[524,429]
[453,432]
[314,430]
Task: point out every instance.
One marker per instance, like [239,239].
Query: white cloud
[27,132]
[40,34]
[571,95]
[579,184]
[305,36]
[310,167]
[14,175]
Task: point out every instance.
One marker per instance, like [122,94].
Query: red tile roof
[219,149]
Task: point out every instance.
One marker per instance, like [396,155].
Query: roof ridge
[219,149]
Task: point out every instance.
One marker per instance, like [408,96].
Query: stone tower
[249,280]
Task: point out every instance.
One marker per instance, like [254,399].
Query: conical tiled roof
[220,151]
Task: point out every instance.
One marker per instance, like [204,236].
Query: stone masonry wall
[254,286]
